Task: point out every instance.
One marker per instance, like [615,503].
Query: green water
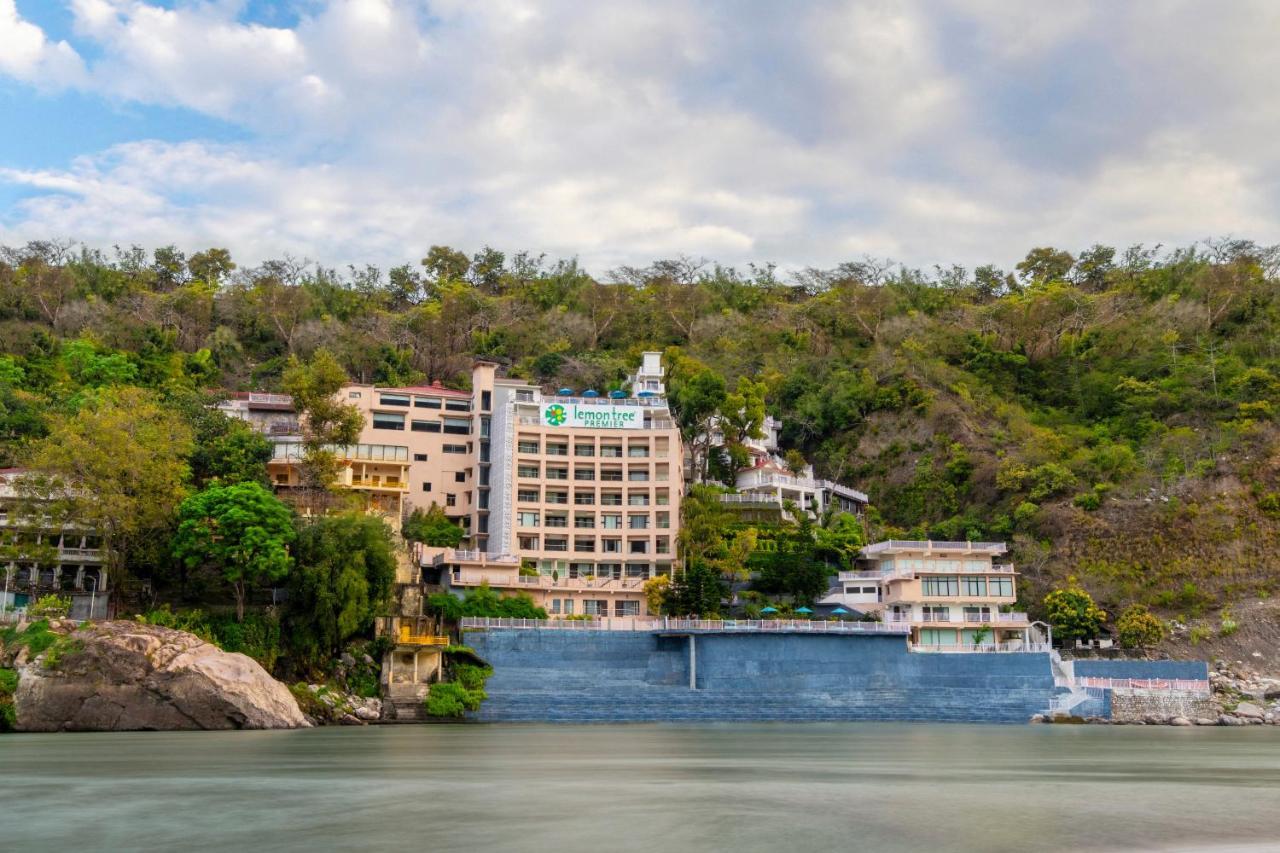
[723,787]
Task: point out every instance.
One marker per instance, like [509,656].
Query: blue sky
[806,133]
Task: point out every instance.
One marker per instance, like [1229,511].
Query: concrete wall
[624,676]
[1195,670]
[1133,705]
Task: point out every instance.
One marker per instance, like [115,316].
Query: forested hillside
[1111,413]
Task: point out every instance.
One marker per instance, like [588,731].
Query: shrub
[1139,628]
[1088,501]
[1072,612]
[50,607]
[1229,625]
[1199,634]
[450,699]
[8,715]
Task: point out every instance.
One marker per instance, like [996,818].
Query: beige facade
[951,594]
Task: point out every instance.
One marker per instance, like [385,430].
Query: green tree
[696,394]
[1072,613]
[327,422]
[697,589]
[1139,628]
[241,531]
[433,528]
[117,467]
[344,575]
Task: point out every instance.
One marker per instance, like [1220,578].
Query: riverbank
[884,786]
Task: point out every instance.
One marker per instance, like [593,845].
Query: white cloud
[961,130]
[26,55]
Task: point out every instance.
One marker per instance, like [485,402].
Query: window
[584,522]
[419,457]
[528,543]
[450,500]
[584,473]
[626,608]
[593,607]
[638,546]
[426,487]
[557,520]
[940,586]
[611,451]
[425,426]
[638,522]
[936,637]
[484,475]
[393,400]
[527,471]
[568,607]
[637,570]
[457,405]
[388,420]
[557,497]
[457,426]
[584,498]
[584,450]
[611,522]
[455,448]
[555,605]
[527,496]
[485,427]
[609,570]
[934,613]
[557,449]
[1001,586]
[976,587]
[976,565]
[638,499]
[611,498]
[611,546]
[664,520]
[527,397]
[527,446]
[486,400]
[557,473]
[662,545]
[662,497]
[558,543]
[637,451]
[426,402]
[353,395]
[977,614]
[611,475]
[585,544]
[484,502]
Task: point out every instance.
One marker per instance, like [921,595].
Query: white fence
[978,648]
[1156,684]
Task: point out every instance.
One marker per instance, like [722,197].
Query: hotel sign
[592,417]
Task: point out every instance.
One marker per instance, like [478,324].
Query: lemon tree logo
[556,414]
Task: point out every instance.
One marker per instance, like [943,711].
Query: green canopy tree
[1072,613]
[240,530]
[327,423]
[432,527]
[697,589]
[345,572]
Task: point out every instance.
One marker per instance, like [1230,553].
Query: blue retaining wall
[598,676]
[1193,670]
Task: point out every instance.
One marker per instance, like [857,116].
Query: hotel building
[951,594]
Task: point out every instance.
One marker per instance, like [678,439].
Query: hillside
[1111,413]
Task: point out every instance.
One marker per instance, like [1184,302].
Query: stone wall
[597,676]
[1131,706]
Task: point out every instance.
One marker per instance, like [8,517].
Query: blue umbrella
[839,611]
[769,610]
[646,394]
[591,392]
[617,395]
[565,392]
[803,610]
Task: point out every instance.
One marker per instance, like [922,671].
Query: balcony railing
[929,545]
[667,625]
[407,637]
[457,555]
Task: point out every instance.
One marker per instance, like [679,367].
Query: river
[868,786]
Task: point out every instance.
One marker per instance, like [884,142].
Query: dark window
[457,426]
[450,500]
[419,457]
[426,487]
[425,426]
[393,399]
[457,405]
[455,448]
[388,420]
[459,476]
[426,402]
[486,398]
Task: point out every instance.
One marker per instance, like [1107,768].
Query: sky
[798,133]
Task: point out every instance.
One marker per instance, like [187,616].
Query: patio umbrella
[803,610]
[617,395]
[565,392]
[769,610]
[839,611]
[591,392]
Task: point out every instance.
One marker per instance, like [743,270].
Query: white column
[693,662]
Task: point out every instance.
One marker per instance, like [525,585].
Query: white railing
[463,556]
[930,545]
[650,624]
[1155,684]
[273,399]
[978,648]
[572,583]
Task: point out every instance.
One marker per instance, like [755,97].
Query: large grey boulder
[121,676]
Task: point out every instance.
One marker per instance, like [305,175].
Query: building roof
[433,388]
[898,546]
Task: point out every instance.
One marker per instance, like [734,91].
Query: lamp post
[93,595]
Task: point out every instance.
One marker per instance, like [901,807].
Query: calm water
[781,787]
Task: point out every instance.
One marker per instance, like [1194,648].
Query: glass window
[557,449]
[388,420]
[557,497]
[585,522]
[611,546]
[1001,586]
[611,451]
[584,544]
[450,500]
[584,473]
[426,402]
[486,398]
[557,473]
[457,405]
[611,522]
[558,543]
[527,446]
[940,586]
[527,519]
[419,457]
[555,605]
[976,587]
[584,450]
[557,520]
[457,426]
[637,451]
[638,522]
[393,400]
[528,496]
[637,570]
[638,546]
[527,471]
[626,608]
[638,475]
[611,498]
[584,498]
[455,448]
[638,499]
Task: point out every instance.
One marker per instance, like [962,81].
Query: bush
[8,715]
[1139,628]
[50,607]
[1072,613]
[464,693]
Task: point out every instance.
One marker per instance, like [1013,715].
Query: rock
[1228,720]
[351,720]
[367,659]
[1037,718]
[1180,721]
[1257,654]
[1249,710]
[125,676]
[367,714]
[347,659]
[1206,721]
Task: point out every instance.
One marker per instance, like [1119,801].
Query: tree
[345,570]
[117,467]
[432,528]
[697,589]
[1045,264]
[656,590]
[242,531]
[696,394]
[327,423]
[1072,613]
[1139,628]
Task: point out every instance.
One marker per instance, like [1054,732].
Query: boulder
[1180,721]
[1249,711]
[124,676]
[1206,721]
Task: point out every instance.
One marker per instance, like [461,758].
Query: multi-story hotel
[951,594]
[571,497]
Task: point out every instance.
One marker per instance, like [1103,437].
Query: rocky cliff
[120,676]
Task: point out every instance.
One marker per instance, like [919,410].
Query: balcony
[407,637]
[385,484]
